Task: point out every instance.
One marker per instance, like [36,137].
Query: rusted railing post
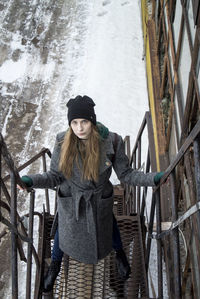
[46,190]
[175,240]
[139,165]
[127,206]
[134,198]
[197,180]
[144,195]
[30,245]
[159,245]
[13,216]
[197,165]
[150,230]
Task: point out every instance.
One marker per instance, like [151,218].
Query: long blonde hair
[89,152]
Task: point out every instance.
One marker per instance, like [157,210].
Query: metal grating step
[81,281]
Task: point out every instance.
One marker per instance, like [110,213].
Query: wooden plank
[155,73]
[192,240]
[164,226]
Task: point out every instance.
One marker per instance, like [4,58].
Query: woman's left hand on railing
[158,177]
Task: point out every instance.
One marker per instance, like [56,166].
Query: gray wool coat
[85,208]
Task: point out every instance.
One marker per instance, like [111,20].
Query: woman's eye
[85,121]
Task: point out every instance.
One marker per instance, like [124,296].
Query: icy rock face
[38,40]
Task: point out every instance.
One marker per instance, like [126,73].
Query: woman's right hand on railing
[27,181]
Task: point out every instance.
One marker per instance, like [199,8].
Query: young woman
[81,167]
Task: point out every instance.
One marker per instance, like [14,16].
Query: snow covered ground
[54,50]
[96,49]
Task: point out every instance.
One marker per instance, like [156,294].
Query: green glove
[157,177]
[27,181]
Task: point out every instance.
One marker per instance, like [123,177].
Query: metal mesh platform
[81,281]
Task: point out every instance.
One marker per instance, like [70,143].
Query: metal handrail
[11,207]
[135,161]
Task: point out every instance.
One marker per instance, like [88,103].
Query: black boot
[51,275]
[123,267]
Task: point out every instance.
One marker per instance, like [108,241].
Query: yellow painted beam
[151,103]
[150,79]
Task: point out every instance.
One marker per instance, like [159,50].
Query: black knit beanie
[81,107]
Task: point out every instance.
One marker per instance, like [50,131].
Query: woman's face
[81,128]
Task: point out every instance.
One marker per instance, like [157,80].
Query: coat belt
[87,195]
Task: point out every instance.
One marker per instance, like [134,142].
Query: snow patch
[43,72]
[11,70]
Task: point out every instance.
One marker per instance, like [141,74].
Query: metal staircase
[80,281]
[77,280]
